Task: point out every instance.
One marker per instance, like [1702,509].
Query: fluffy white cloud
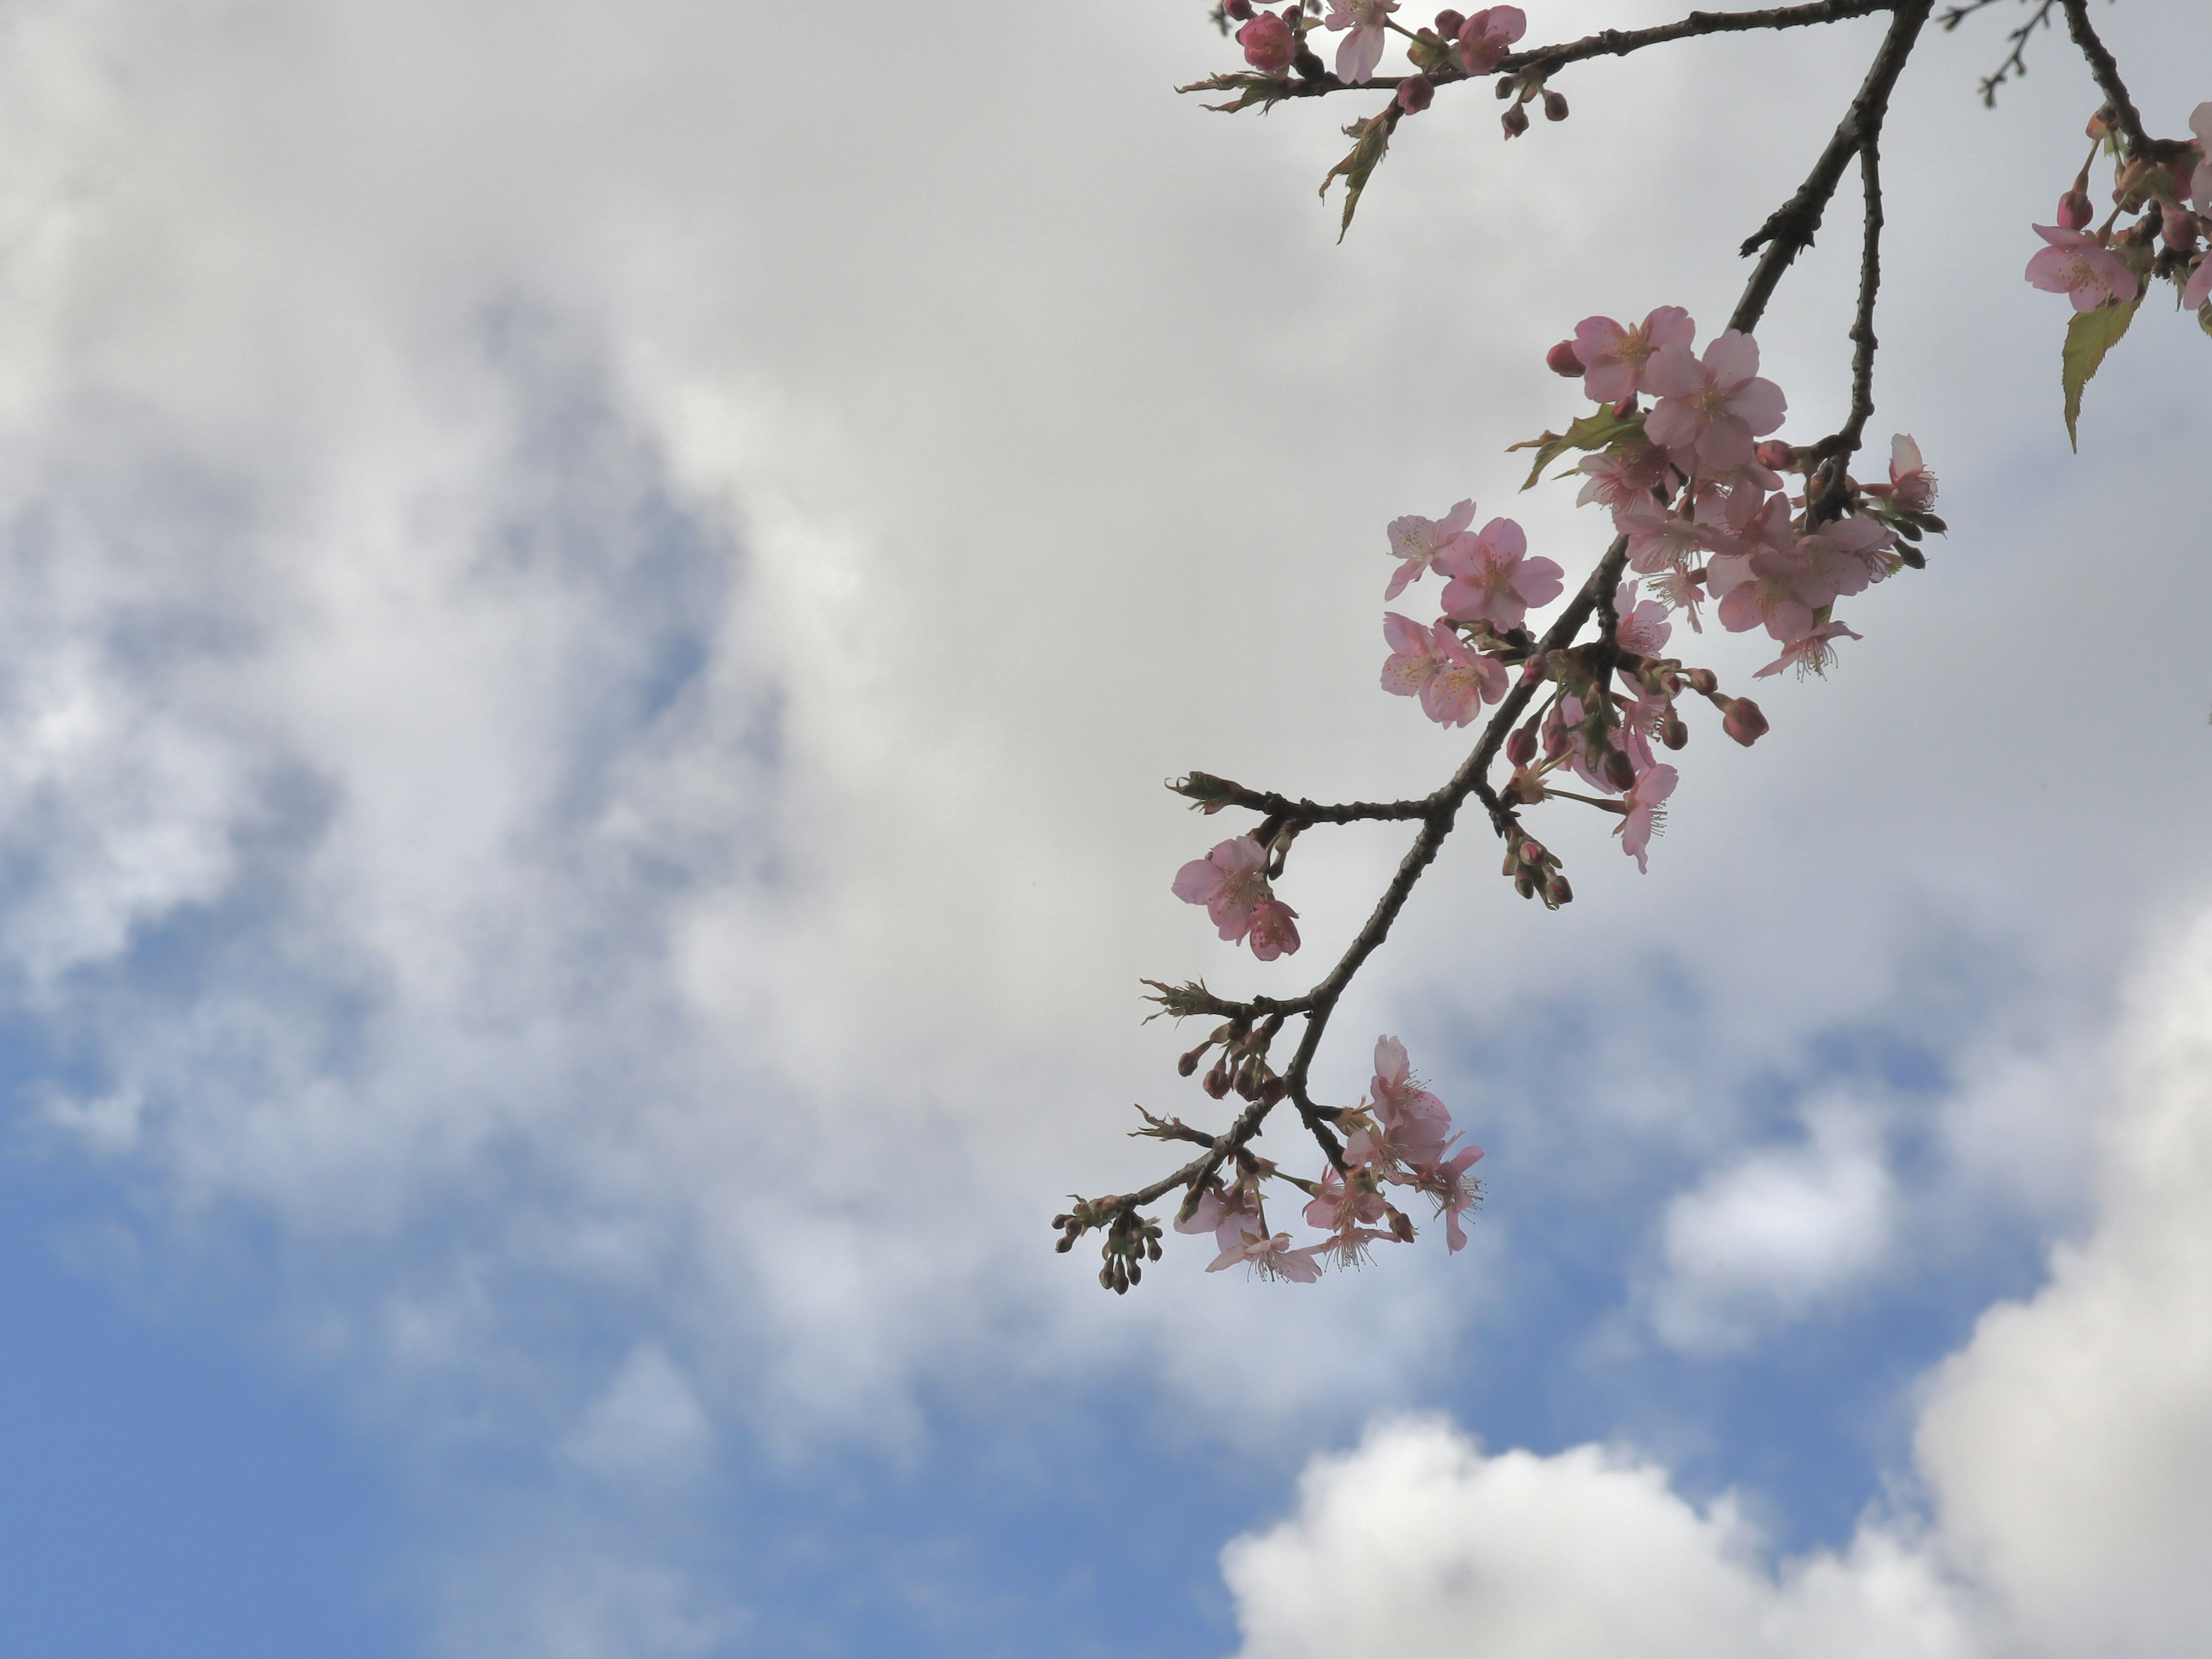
[1770,1235]
[2065,1453]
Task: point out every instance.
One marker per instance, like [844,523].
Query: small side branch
[1788,231]
[2125,115]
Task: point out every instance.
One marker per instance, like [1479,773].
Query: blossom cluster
[1400,1140]
[2170,192]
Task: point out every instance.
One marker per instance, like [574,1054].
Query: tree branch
[2107,72]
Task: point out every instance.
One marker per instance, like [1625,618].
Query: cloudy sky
[597,597]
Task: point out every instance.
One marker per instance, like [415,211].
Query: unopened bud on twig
[1555,106]
[1239,10]
[2076,210]
[1521,747]
[1515,121]
[1561,360]
[1415,93]
[1742,720]
[1450,22]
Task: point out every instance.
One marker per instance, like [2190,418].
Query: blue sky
[597,601]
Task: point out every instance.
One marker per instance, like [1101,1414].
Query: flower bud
[1556,891]
[1450,23]
[1555,106]
[1521,747]
[2076,210]
[1239,10]
[2180,229]
[1515,121]
[1741,720]
[1561,360]
[1775,455]
[1702,681]
[1415,93]
[1217,1082]
[1673,734]
[1269,44]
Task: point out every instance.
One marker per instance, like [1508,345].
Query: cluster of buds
[2165,190]
[1534,868]
[1241,1066]
[1131,1241]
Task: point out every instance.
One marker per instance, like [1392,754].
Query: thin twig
[2124,113]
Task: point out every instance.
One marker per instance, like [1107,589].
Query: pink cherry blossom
[1338,1207]
[1486,37]
[1911,486]
[1615,359]
[1229,1214]
[1660,540]
[2200,182]
[1454,1190]
[1810,652]
[1711,411]
[2077,264]
[1418,543]
[1272,1258]
[1452,679]
[1274,929]
[1232,883]
[1646,811]
[1493,580]
[1399,1096]
[2199,289]
[1644,628]
[1358,53]
[1782,588]
[1269,43]
[1681,590]
[1620,478]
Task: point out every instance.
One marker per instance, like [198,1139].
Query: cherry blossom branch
[1788,231]
[1686,481]
[2015,60]
[2125,115]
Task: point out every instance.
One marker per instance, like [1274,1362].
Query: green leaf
[1373,138]
[1600,431]
[2204,316]
[2088,337]
[1265,90]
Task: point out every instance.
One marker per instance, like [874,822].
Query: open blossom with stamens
[1492,578]
[1810,652]
[1646,811]
[1644,628]
[1450,677]
[1340,1205]
[1615,359]
[2078,264]
[1681,590]
[1398,1094]
[1781,588]
[1623,477]
[1232,883]
[1228,1214]
[1712,410]
[1454,1190]
[1487,36]
[1362,50]
[1418,543]
[1272,1258]
[1662,540]
[1911,486]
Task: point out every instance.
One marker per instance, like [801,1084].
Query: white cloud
[1775,1234]
[2065,1453]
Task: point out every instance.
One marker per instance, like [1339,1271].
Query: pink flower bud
[1555,106]
[1415,93]
[1515,121]
[1774,454]
[1450,23]
[1561,360]
[2180,229]
[1741,720]
[2076,210]
[1238,9]
[1521,747]
[1269,44]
